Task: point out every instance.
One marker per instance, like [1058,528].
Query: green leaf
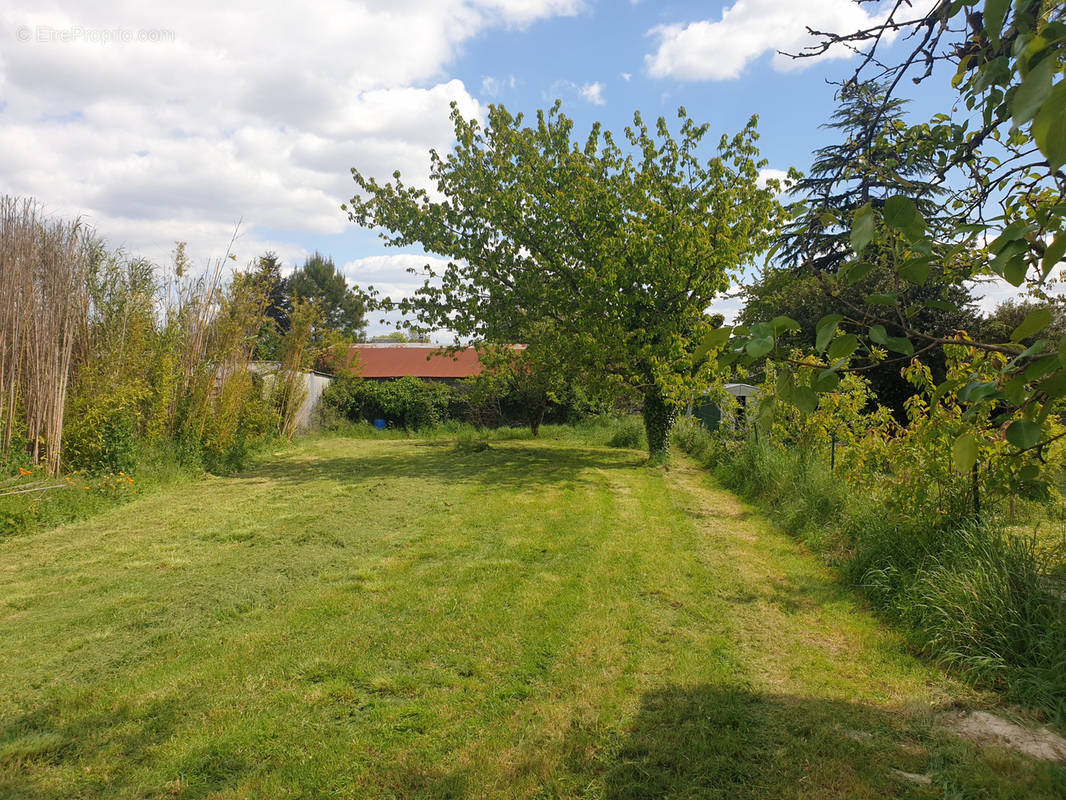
[1014,391]
[1049,127]
[805,399]
[1012,233]
[714,340]
[942,305]
[825,381]
[902,214]
[782,324]
[1010,249]
[1033,92]
[859,271]
[1030,472]
[757,348]
[825,329]
[995,13]
[762,330]
[915,271]
[900,345]
[976,392]
[1055,386]
[1041,367]
[878,335]
[862,228]
[964,452]
[843,346]
[1014,270]
[1034,322]
[881,299]
[785,385]
[1024,434]
[1053,255]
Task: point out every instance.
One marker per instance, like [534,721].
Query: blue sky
[160,123]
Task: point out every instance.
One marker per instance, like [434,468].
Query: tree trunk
[659,416]
[535,416]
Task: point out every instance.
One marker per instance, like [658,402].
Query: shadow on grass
[61,734]
[728,742]
[503,464]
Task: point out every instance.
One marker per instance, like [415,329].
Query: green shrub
[630,434]
[407,402]
[100,432]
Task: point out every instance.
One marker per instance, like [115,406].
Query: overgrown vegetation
[490,400]
[110,369]
[979,595]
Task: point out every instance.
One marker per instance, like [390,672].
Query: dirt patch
[988,729]
[911,777]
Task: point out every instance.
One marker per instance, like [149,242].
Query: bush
[629,434]
[101,434]
[406,402]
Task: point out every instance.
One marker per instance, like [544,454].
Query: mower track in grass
[406,619]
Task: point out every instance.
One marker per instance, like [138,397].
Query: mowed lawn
[401,619]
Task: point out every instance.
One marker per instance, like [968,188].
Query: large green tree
[620,247]
[339,307]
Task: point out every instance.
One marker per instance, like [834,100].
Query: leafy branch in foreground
[1000,214]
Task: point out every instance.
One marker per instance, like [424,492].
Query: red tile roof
[419,360]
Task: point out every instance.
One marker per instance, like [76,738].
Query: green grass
[401,618]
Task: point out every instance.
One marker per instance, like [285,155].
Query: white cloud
[589,92]
[772,174]
[720,50]
[626,76]
[492,86]
[593,93]
[240,111]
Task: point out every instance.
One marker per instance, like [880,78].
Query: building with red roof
[381,360]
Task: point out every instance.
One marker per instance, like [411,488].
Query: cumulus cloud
[589,92]
[182,120]
[720,50]
[593,93]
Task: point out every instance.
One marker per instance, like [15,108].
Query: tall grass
[971,596]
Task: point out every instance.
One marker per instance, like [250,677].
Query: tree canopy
[609,254]
[339,307]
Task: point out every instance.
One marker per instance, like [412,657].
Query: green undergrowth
[975,597]
[30,502]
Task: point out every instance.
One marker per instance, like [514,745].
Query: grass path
[399,619]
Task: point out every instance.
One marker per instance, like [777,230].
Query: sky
[159,123]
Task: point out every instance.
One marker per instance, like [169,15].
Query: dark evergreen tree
[320,283]
[878,151]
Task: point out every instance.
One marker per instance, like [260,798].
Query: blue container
[379,424]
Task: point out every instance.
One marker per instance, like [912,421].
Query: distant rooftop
[420,360]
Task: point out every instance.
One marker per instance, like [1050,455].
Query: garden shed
[709,413]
